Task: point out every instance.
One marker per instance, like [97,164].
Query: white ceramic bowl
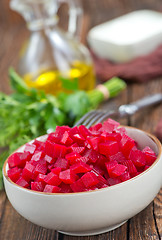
[127,37]
[93,212]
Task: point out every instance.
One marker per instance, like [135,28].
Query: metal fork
[97,116]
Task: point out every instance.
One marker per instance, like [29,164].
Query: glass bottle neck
[38,14]
[41,24]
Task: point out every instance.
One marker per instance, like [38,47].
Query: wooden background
[147,225]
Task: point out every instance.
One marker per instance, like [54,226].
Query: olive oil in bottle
[79,76]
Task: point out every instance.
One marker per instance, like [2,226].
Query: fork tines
[92,117]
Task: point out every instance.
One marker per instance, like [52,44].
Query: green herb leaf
[77,104]
[17,82]
[69,84]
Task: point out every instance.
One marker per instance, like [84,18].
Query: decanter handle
[75,16]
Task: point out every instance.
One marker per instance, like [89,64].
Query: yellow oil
[79,76]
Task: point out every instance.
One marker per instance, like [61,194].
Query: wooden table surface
[143,226]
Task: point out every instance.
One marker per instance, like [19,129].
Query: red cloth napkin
[141,69]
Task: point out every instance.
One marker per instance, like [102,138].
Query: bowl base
[93,232]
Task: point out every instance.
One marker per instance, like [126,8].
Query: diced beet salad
[79,159]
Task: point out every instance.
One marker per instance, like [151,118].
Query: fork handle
[130,109]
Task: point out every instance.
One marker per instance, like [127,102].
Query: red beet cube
[110,125]
[119,157]
[61,129]
[37,156]
[39,145]
[78,138]
[54,137]
[66,139]
[108,148]
[94,142]
[40,168]
[40,178]
[113,181]
[14,173]
[55,150]
[61,163]
[89,179]
[72,157]
[77,149]
[24,157]
[101,179]
[78,186]
[125,176]
[82,159]
[126,144]
[87,145]
[30,148]
[59,151]
[96,134]
[91,155]
[95,128]
[49,148]
[84,131]
[41,161]
[65,188]
[100,185]
[110,137]
[130,166]
[73,145]
[73,131]
[118,170]
[101,162]
[51,189]
[138,158]
[111,166]
[22,182]
[96,169]
[120,130]
[48,159]
[56,170]
[52,179]
[67,176]
[28,171]
[18,159]
[150,156]
[37,186]
[80,167]
[69,149]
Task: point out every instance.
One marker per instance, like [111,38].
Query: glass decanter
[52,59]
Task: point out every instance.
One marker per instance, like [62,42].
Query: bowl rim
[153,138]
